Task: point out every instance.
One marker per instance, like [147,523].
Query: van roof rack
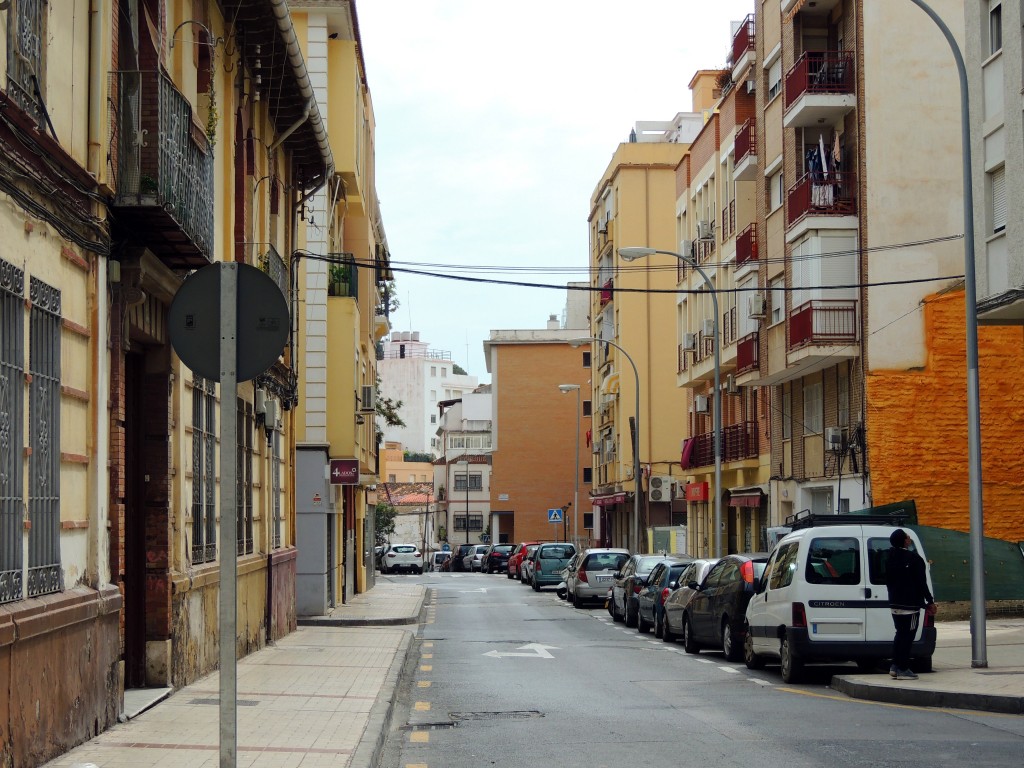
[806,519]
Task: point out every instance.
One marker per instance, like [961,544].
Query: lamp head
[633,253]
[566,388]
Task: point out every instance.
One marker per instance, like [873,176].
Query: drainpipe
[294,127]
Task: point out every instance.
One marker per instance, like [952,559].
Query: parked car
[526,565]
[496,558]
[589,575]
[378,554]
[650,602]
[402,557]
[517,557]
[440,561]
[818,602]
[627,584]
[549,561]
[677,599]
[472,560]
[715,617]
[459,555]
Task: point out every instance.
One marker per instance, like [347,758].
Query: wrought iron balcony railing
[743,40]
[748,353]
[823,322]
[746,245]
[746,140]
[820,72]
[739,441]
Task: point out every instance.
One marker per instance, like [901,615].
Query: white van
[822,597]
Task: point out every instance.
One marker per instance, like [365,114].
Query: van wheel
[921,664]
[792,664]
[751,659]
[689,643]
[733,652]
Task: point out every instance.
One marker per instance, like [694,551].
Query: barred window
[476,522]
[275,485]
[476,482]
[26,47]
[204,516]
[243,478]
[44,571]
[12,408]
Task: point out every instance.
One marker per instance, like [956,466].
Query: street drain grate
[519,714]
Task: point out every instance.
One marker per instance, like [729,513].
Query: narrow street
[502,675]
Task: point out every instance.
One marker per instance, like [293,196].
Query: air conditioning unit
[368,399]
[705,231]
[700,404]
[597,447]
[686,247]
[660,488]
[756,306]
[709,328]
[833,438]
[689,342]
[731,387]
[751,86]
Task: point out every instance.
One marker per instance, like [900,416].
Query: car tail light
[392,554]
[637,588]
[747,572]
[416,554]
[929,619]
[664,595]
[582,576]
[799,615]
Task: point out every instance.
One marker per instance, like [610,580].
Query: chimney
[553,324]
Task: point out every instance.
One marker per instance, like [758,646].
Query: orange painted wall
[536,427]
[917,426]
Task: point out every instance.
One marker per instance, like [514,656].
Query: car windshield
[404,548]
[503,549]
[556,553]
[607,561]
[646,564]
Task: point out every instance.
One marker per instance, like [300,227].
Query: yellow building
[342,283]
[633,204]
[395,469]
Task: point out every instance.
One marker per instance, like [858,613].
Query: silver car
[472,561]
[592,573]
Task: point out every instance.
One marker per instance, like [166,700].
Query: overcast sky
[495,122]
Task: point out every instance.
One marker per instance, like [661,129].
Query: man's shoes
[893,672]
[906,674]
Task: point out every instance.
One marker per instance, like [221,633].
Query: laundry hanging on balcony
[821,168]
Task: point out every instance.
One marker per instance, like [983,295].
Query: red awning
[608,501]
[745,500]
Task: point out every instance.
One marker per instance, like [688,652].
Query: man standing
[907,582]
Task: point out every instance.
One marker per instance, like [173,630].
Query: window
[878,556]
[204,517]
[44,571]
[778,300]
[586,359]
[476,522]
[433,419]
[476,482]
[433,370]
[813,415]
[444,372]
[433,395]
[26,47]
[997,196]
[588,475]
[787,413]
[785,566]
[833,560]
[470,442]
[774,78]
[587,408]
[276,463]
[12,408]
[775,191]
[995,26]
[243,477]
[392,479]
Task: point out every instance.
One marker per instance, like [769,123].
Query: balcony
[823,322]
[746,246]
[742,54]
[343,280]
[746,152]
[748,353]
[607,289]
[739,442]
[819,195]
[728,220]
[163,169]
[819,89]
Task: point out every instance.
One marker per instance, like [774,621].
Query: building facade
[462,475]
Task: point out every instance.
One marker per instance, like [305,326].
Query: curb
[378,725]
[923,697]
[346,621]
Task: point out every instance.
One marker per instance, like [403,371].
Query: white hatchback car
[402,557]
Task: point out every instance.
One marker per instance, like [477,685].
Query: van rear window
[878,556]
[833,560]
[556,553]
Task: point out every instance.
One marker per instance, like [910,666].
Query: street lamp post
[632,254]
[635,532]
[566,388]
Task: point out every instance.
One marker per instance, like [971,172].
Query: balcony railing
[606,291]
[272,263]
[820,72]
[748,352]
[746,140]
[746,245]
[681,358]
[705,249]
[739,441]
[728,329]
[163,168]
[343,280]
[728,220]
[743,40]
[823,321]
[818,194]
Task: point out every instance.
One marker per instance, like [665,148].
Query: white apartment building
[420,377]
[462,476]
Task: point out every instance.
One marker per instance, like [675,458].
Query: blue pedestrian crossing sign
[554,515]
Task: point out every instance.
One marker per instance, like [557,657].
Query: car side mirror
[693,585]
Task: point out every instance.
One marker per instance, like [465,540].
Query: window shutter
[998,182]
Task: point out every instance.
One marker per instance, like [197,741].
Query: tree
[458,370]
[384,521]
[411,456]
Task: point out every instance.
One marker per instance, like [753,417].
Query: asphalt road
[502,675]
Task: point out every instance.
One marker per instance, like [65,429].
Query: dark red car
[517,557]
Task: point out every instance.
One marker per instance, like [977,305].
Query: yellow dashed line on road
[426,668]
[419,737]
[428,655]
[422,706]
[423,683]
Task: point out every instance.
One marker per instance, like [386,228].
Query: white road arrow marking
[539,652]
[467,591]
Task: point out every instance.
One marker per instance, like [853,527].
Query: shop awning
[747,496]
[610,386]
[610,500]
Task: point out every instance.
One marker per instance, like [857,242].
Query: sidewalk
[322,696]
[954,683]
